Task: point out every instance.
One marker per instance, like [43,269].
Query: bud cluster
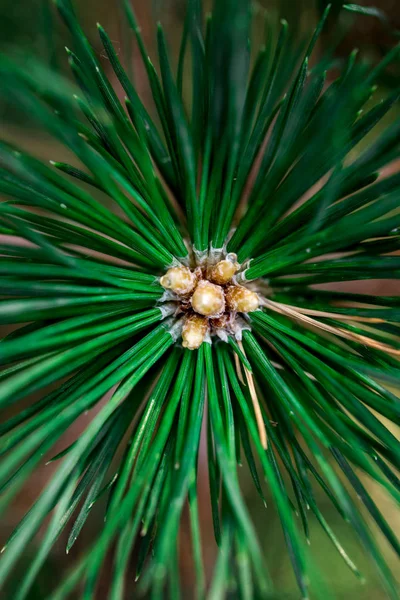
[209,299]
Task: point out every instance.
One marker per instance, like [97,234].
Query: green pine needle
[271,160]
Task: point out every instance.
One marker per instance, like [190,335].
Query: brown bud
[180,280]
[221,322]
[224,270]
[194,331]
[240,299]
[208,299]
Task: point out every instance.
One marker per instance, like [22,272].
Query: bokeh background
[32,26]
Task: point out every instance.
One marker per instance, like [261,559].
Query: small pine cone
[240,299]
[194,331]
[208,299]
[179,280]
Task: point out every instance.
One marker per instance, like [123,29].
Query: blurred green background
[30,25]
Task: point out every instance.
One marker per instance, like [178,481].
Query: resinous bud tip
[224,270]
[240,299]
[180,280]
[194,331]
[208,299]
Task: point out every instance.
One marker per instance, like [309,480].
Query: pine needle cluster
[267,162]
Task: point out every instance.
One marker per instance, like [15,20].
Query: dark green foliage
[264,130]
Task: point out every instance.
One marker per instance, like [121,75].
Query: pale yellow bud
[208,299]
[194,331]
[180,280]
[240,299]
[223,271]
